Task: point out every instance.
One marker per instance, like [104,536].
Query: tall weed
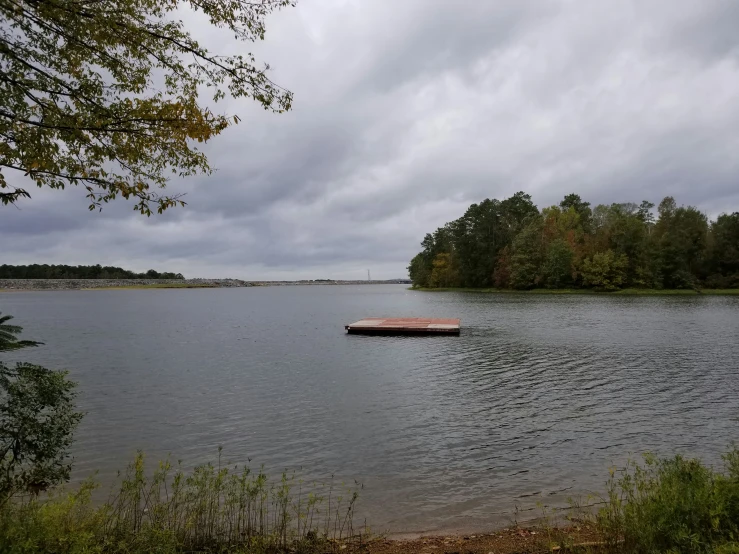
[210,509]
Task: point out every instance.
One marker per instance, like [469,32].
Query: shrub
[673,505]
[37,421]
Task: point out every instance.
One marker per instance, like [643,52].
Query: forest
[511,244]
[44,271]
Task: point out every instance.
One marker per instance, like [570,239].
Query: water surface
[530,405]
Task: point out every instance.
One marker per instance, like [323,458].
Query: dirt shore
[504,541]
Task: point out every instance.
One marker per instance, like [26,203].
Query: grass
[159,286]
[210,509]
[621,292]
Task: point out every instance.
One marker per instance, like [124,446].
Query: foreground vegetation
[210,509]
[510,244]
[673,505]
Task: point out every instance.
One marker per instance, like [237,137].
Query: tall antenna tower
[368,275]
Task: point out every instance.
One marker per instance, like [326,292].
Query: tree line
[45,271]
[511,244]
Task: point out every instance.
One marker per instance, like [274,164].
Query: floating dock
[404,326]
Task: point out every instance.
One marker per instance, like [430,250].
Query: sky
[408,111]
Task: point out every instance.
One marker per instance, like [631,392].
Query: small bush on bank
[211,509]
[673,505]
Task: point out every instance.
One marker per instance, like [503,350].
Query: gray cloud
[407,112]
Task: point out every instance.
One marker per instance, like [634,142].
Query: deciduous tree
[445,273]
[419,272]
[557,270]
[107,93]
[605,270]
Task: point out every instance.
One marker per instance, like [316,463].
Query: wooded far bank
[45,271]
[511,244]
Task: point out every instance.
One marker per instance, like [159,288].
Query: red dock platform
[404,326]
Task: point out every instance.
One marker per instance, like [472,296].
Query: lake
[532,404]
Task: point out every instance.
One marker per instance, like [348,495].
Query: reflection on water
[531,404]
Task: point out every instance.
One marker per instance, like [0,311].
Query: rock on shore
[76,284]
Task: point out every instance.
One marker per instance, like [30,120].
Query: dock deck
[404,326]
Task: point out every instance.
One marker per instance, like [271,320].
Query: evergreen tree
[527,256]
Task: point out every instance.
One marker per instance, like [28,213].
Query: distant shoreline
[621,292]
[9,285]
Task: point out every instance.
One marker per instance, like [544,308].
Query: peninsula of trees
[511,244]
[44,271]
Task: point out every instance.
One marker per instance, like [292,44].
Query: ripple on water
[532,403]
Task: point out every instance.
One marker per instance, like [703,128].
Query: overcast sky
[406,112]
